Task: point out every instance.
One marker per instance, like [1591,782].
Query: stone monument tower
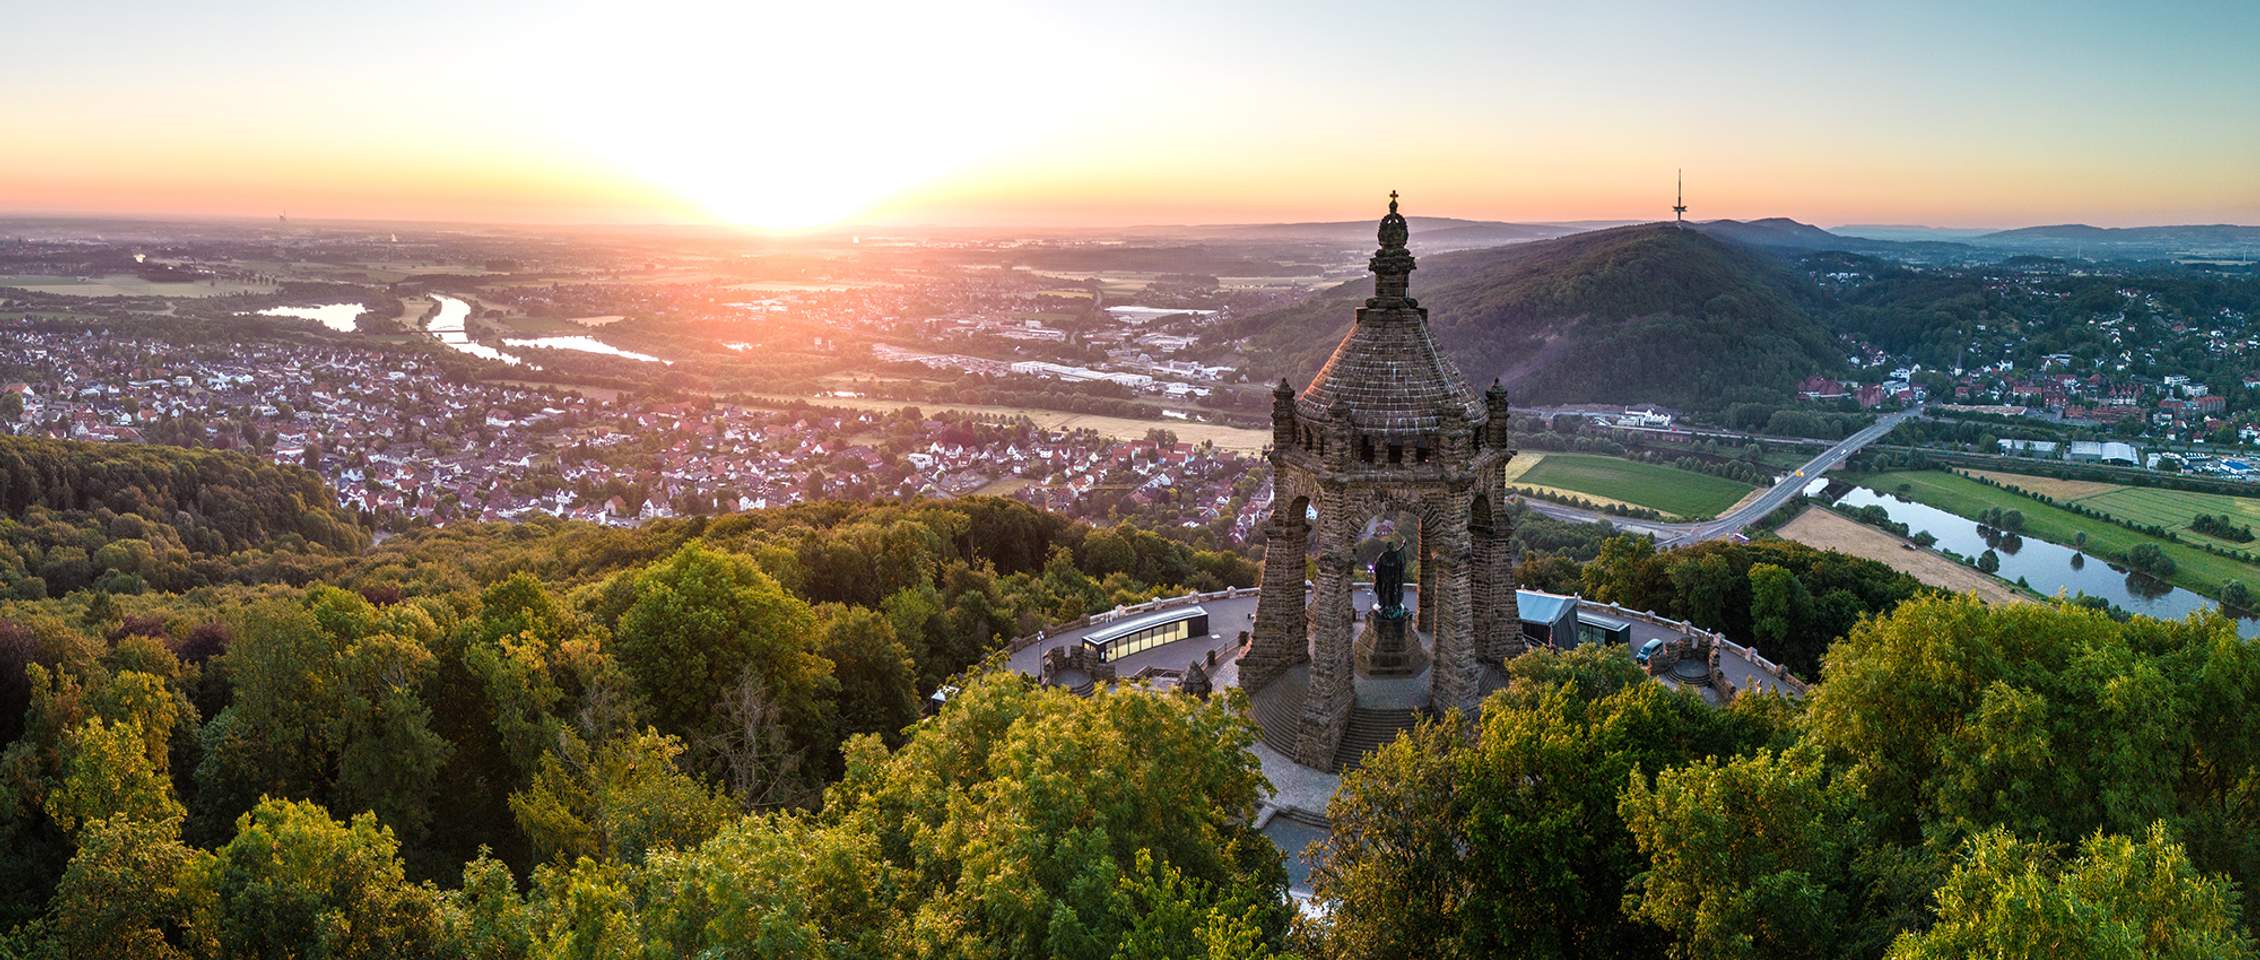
[1389,425]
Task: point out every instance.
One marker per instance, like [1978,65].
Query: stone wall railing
[1690,633]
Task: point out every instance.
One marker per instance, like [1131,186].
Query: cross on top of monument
[1392,201]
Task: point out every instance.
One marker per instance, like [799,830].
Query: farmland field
[2050,487]
[2173,509]
[1681,493]
[2150,506]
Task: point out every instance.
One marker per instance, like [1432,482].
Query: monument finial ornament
[1392,265]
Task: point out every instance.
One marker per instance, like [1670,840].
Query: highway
[1678,534]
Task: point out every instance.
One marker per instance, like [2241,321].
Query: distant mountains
[2079,239]
[1432,233]
[1902,231]
[1437,234]
[1647,312]
[2070,239]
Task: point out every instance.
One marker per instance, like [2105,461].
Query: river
[448,327]
[2047,567]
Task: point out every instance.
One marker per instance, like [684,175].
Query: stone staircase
[1076,682]
[1369,730]
[1278,711]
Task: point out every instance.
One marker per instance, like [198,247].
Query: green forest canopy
[128,516]
[703,737]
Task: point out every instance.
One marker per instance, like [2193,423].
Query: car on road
[1647,650]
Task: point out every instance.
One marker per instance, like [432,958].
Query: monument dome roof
[1388,369]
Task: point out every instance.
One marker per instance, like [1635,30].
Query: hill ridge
[1638,313]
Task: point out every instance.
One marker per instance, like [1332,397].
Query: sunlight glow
[723,108]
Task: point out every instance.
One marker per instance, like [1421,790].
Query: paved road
[1677,534]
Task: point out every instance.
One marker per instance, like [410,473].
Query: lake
[2047,567]
[582,343]
[448,327]
[336,316]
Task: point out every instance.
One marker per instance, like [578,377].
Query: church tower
[1388,426]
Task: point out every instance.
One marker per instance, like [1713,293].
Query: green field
[1681,493]
[127,285]
[2193,568]
[2173,509]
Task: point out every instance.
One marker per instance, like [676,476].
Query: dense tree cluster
[1794,420]
[705,737]
[619,718]
[126,517]
[1785,598]
[2029,781]
[2221,525]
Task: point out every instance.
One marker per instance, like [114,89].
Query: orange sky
[780,116]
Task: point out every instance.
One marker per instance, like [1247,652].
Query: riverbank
[2194,569]
[1828,530]
[1235,439]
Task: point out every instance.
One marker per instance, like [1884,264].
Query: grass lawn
[2193,568]
[1682,493]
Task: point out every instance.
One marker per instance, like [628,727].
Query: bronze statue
[1389,581]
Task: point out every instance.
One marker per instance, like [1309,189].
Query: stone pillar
[1279,639]
[1506,629]
[1498,627]
[1483,590]
[1283,427]
[1427,589]
[1332,693]
[1453,677]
